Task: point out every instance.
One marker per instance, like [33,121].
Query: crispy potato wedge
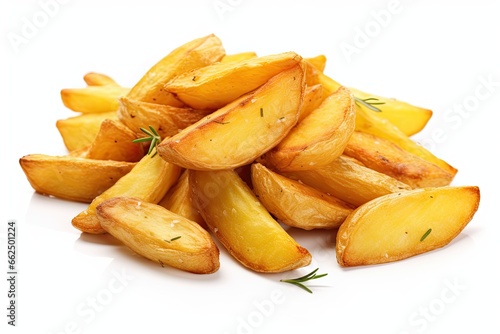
[296,204]
[370,122]
[313,96]
[238,133]
[159,235]
[98,79]
[115,142]
[239,56]
[349,181]
[408,118]
[167,120]
[245,228]
[401,225]
[80,131]
[212,87]
[388,158]
[194,54]
[72,178]
[320,138]
[148,181]
[178,200]
[319,62]
[93,99]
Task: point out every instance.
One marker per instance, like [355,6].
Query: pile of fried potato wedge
[232,148]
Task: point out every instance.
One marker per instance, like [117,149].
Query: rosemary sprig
[369,102]
[426,234]
[153,137]
[173,239]
[298,281]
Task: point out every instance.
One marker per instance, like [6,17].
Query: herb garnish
[154,138]
[298,281]
[369,102]
[426,234]
[261,112]
[173,239]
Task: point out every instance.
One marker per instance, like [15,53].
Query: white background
[436,54]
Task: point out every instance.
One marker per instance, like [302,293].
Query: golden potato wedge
[313,96]
[93,99]
[98,79]
[320,138]
[319,62]
[401,225]
[314,77]
[115,142]
[159,235]
[349,181]
[296,204]
[148,181]
[242,224]
[238,56]
[388,158]
[72,178]
[371,122]
[167,120]
[238,133]
[194,54]
[212,87]
[80,131]
[408,118]
[178,200]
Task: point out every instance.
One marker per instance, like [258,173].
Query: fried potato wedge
[159,235]
[178,200]
[313,96]
[93,99]
[408,118]
[296,204]
[242,224]
[212,87]
[238,56]
[401,225]
[72,178]
[370,122]
[167,120]
[388,158]
[115,142]
[148,181]
[80,131]
[319,62]
[194,54]
[98,79]
[349,181]
[320,138]
[238,133]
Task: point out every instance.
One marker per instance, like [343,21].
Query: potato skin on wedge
[167,120]
[194,54]
[242,224]
[159,235]
[401,225]
[78,132]
[238,133]
[148,181]
[319,138]
[212,87]
[349,180]
[72,178]
[388,158]
[296,204]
